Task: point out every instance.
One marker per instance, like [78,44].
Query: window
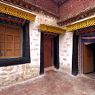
[14,44]
[10,41]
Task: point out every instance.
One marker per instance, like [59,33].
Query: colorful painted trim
[80,25]
[16,12]
[52,29]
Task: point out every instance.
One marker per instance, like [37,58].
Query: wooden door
[10,41]
[88,62]
[48,51]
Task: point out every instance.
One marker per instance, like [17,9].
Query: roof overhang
[51,29]
[9,9]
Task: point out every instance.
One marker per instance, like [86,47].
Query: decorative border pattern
[16,12]
[52,29]
[80,25]
[28,5]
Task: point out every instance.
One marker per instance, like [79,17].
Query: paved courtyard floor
[53,83]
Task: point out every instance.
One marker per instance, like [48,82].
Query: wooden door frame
[76,35]
[83,55]
[56,53]
[75,54]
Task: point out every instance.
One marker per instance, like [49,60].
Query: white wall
[35,37]
[65,51]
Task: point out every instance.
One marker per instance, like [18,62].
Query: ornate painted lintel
[81,24]
[16,12]
[52,29]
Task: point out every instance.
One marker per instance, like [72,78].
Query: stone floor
[91,75]
[53,83]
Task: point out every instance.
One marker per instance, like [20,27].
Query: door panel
[88,64]
[48,51]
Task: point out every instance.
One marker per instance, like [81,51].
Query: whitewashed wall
[65,51]
[35,36]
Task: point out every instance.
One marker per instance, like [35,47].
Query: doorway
[48,51]
[49,55]
[89,59]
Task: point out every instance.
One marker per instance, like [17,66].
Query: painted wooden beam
[7,9]
[52,29]
[81,24]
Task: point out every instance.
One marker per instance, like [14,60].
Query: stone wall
[74,7]
[44,19]
[14,74]
[65,51]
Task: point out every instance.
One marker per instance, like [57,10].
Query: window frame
[25,50]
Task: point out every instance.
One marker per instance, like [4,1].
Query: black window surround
[25,50]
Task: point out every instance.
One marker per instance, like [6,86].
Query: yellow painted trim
[16,12]
[80,25]
[52,29]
